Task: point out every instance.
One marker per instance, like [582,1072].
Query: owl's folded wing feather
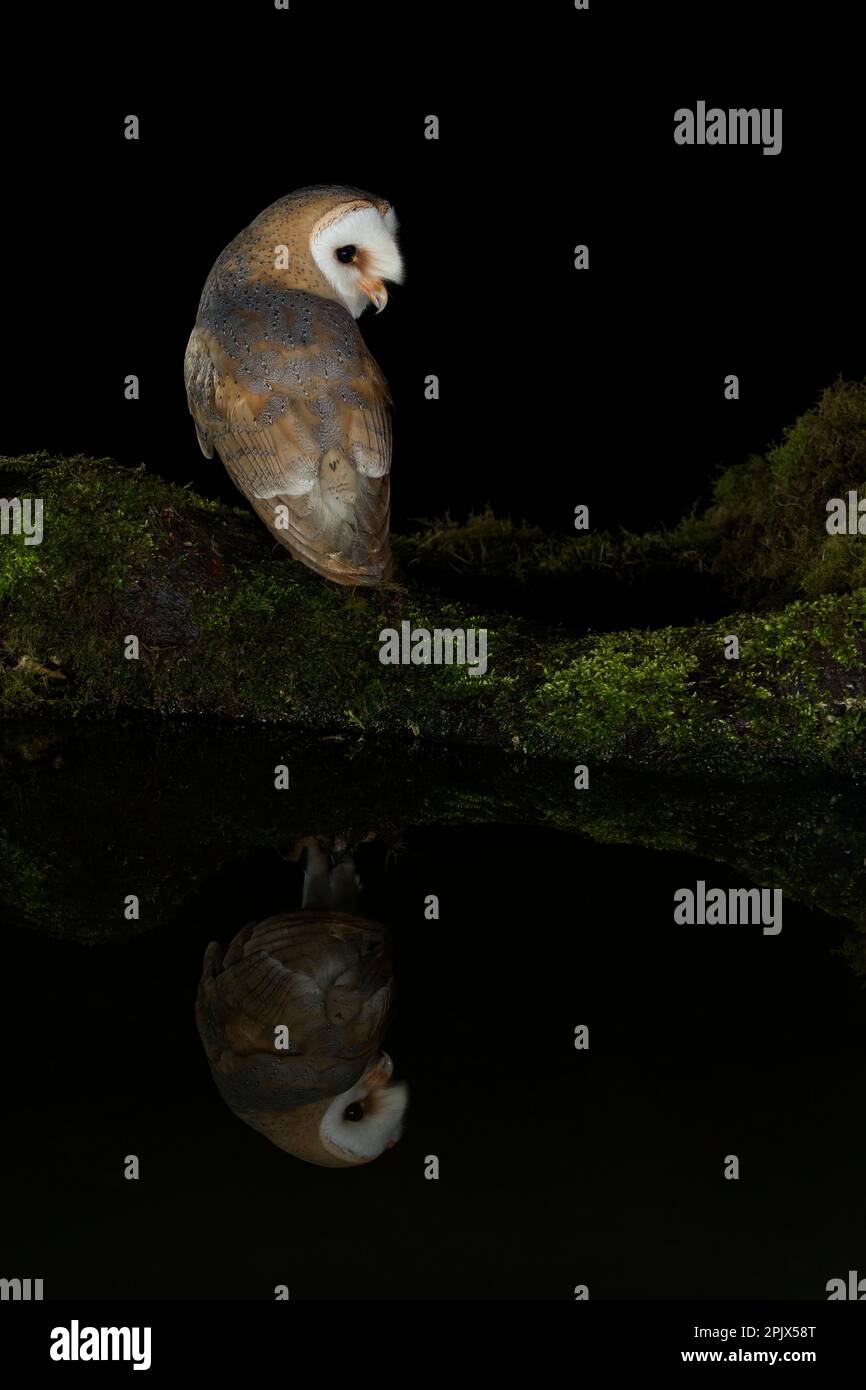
[287,393]
[326,978]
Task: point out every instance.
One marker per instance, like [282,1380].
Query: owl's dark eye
[355,1111]
[346,253]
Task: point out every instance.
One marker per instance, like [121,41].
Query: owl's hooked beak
[375,292]
[378,1071]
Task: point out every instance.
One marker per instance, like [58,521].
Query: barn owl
[324,979]
[280,382]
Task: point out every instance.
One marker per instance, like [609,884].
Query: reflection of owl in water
[331,869]
[325,977]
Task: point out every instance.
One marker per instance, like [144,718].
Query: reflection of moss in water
[229,626]
[102,812]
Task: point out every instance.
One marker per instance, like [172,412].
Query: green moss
[763,537]
[230,626]
[495,549]
[765,531]
[795,697]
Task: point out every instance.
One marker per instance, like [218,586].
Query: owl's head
[347,1130]
[368,1119]
[354,246]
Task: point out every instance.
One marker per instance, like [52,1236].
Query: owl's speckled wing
[283,387]
[325,976]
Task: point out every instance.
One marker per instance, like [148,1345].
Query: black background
[558,1166]
[557,386]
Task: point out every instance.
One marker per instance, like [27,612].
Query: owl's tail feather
[359,562]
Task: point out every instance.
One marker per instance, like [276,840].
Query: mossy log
[229,626]
[760,542]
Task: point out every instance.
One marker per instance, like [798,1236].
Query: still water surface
[557,1167]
